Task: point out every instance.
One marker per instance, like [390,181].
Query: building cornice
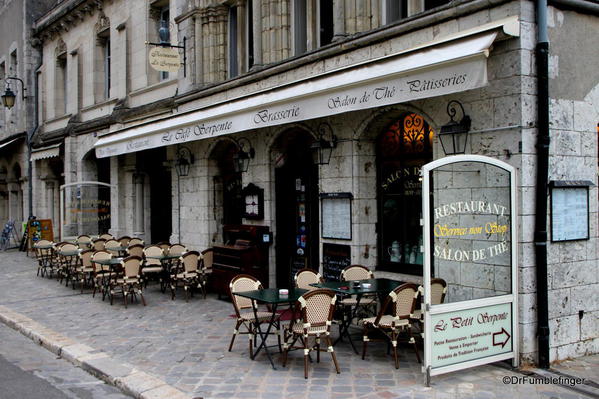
[64,17]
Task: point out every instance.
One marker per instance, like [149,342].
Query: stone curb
[133,382]
[585,389]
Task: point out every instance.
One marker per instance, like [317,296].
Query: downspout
[540,235]
[31,133]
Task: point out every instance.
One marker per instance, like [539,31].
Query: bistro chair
[99,244]
[153,267]
[130,283]
[135,241]
[438,292]
[55,259]
[84,242]
[367,302]
[68,261]
[165,245]
[304,277]
[102,273]
[136,250]
[316,309]
[109,245]
[106,236]
[43,257]
[190,277]
[84,272]
[124,241]
[206,265]
[176,249]
[244,309]
[394,317]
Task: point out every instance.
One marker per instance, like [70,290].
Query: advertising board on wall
[469,210]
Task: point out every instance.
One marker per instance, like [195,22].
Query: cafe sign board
[165,59]
[470,242]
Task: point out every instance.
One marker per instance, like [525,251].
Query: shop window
[164,20]
[233,59]
[402,150]
[250,33]
[60,81]
[159,12]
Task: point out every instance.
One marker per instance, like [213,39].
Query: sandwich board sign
[470,248]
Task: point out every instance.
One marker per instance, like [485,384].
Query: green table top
[110,261]
[377,286]
[272,296]
[69,253]
[116,248]
[164,257]
[47,246]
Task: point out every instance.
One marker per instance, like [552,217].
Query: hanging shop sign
[164,59]
[445,66]
[470,240]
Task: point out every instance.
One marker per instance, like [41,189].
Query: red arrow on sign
[498,336]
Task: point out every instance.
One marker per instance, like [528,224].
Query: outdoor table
[379,286]
[45,246]
[271,297]
[111,263]
[120,249]
[71,260]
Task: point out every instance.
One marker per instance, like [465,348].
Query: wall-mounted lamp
[323,147]
[8,98]
[241,159]
[454,134]
[184,160]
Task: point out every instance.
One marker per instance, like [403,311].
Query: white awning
[9,142]
[50,151]
[446,66]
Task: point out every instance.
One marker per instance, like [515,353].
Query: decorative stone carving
[61,48]
[103,24]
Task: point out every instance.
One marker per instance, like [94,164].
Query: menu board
[335,258]
[336,215]
[569,213]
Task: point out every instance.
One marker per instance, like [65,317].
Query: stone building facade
[19,59]
[372,78]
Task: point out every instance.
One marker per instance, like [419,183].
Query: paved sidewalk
[181,348]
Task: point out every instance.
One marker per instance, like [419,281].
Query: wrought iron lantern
[454,134]
[241,159]
[322,148]
[184,161]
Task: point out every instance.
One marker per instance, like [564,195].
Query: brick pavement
[183,346]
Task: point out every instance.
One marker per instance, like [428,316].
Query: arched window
[402,149]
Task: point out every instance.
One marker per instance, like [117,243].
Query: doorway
[296,190]
[161,209]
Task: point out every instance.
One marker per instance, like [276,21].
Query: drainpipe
[540,235]
[30,135]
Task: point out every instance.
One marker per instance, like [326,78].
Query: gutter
[543,140]
[582,6]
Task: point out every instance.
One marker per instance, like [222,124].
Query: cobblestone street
[185,346]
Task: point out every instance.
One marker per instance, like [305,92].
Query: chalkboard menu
[335,257]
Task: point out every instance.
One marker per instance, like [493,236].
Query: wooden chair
[368,303]
[316,315]
[190,276]
[394,317]
[44,258]
[130,283]
[164,245]
[136,250]
[152,268]
[304,277]
[67,262]
[206,266]
[84,242]
[438,292]
[102,273]
[244,309]
[135,241]
[109,244]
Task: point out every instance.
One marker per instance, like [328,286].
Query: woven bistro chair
[304,277]
[112,244]
[244,310]
[367,302]
[43,257]
[84,242]
[316,309]
[394,316]
[136,249]
[84,272]
[135,241]
[129,284]
[190,276]
[206,266]
[55,258]
[106,236]
[124,241]
[176,249]
[102,273]
[99,244]
[67,263]
[438,292]
[165,245]
[153,267]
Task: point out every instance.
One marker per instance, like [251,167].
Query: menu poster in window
[569,210]
[336,215]
[335,257]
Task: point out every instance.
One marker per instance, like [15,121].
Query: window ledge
[100,104]
[154,86]
[58,118]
